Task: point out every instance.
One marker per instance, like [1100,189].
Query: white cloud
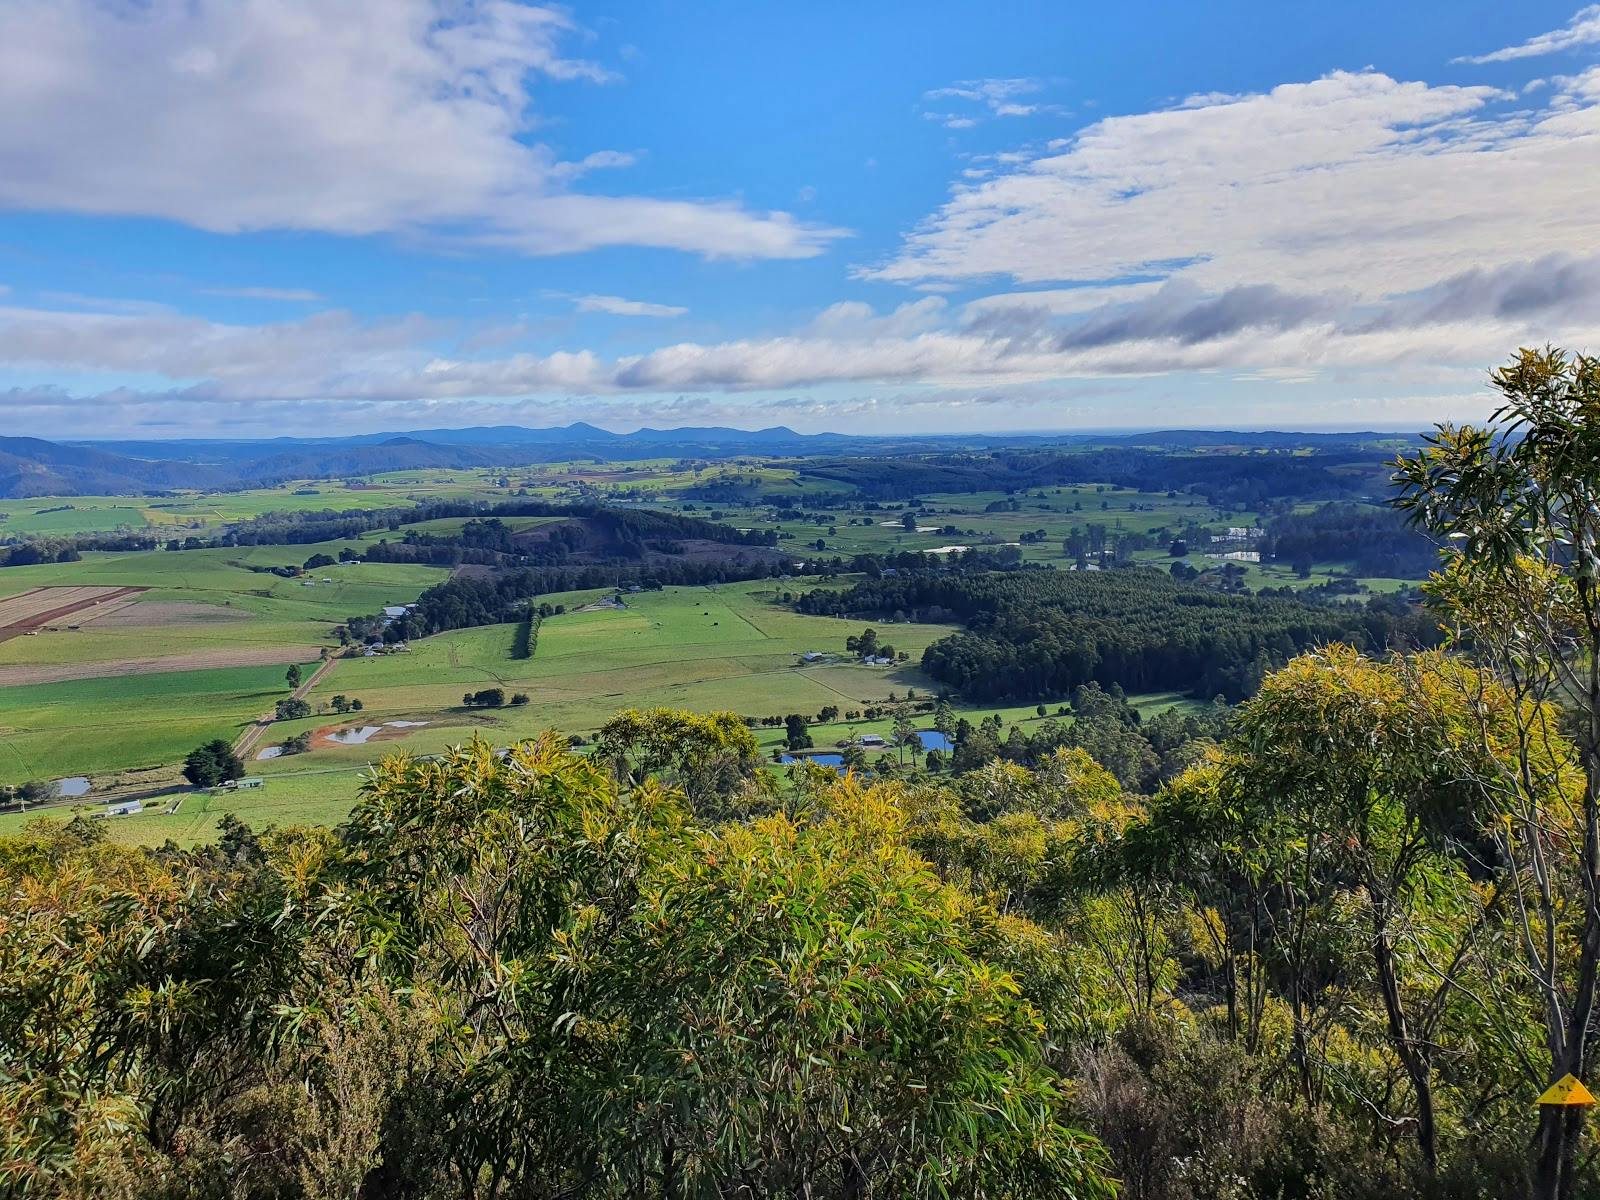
[1000,97]
[1059,301]
[616,306]
[851,320]
[349,117]
[1582,30]
[332,356]
[1353,183]
[1353,226]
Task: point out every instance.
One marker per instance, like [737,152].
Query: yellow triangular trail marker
[1566,1090]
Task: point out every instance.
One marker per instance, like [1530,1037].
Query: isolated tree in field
[292,675]
[292,709]
[796,734]
[212,763]
[341,704]
[1517,506]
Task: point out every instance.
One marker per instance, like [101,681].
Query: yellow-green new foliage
[796,1005]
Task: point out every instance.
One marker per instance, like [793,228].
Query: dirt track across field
[47,605]
[20,674]
[252,734]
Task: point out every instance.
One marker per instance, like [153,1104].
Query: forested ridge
[1043,633]
[1231,480]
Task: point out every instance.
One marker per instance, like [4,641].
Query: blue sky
[304,216]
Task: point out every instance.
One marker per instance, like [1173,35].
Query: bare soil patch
[57,605]
[392,731]
[144,614]
[201,660]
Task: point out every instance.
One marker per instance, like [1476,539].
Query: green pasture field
[200,602]
[120,723]
[1054,513]
[314,790]
[239,607]
[728,647]
[315,797]
[75,514]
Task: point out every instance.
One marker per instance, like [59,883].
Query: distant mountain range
[34,467]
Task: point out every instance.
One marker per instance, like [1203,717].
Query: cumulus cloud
[1350,224]
[1354,183]
[616,306]
[358,117]
[1582,30]
[1258,332]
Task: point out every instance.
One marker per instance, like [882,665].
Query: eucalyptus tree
[1516,504]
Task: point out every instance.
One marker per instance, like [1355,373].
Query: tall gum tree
[1516,505]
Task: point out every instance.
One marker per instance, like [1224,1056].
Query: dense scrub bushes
[514,977]
[652,973]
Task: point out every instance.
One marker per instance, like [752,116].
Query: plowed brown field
[52,605]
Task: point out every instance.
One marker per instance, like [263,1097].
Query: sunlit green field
[729,647]
[202,608]
[107,725]
[223,604]
[315,797]
[734,647]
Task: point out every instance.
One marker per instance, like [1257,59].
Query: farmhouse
[871,739]
[127,808]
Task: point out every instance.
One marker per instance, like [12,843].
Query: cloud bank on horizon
[442,244]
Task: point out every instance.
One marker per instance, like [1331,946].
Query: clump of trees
[1043,633]
[212,763]
[33,791]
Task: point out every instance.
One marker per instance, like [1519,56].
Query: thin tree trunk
[1412,1057]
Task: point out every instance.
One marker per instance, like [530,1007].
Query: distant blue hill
[35,467]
